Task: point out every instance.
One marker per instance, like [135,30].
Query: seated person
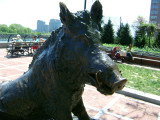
[35,43]
[41,40]
[116,53]
[129,53]
[14,40]
[18,39]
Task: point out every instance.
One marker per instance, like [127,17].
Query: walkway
[115,107]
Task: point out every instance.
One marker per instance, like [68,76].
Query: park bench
[16,48]
[146,60]
[141,59]
[20,48]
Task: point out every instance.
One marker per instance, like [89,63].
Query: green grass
[145,49]
[141,79]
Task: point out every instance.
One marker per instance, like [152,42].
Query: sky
[27,12]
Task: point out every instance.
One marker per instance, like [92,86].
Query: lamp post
[85,4]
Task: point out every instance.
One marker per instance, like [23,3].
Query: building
[155,12]
[54,24]
[46,28]
[40,26]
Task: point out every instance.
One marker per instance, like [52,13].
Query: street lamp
[85,4]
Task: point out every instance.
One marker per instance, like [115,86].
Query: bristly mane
[47,44]
[78,26]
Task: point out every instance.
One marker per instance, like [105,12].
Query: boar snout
[119,85]
[107,86]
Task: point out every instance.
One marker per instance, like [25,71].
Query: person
[18,45]
[18,39]
[41,40]
[35,40]
[14,40]
[116,53]
[129,53]
[35,44]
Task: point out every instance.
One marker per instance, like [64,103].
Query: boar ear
[96,12]
[65,15]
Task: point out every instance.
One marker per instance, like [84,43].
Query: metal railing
[29,37]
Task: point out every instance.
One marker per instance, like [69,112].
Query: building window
[153,17]
[155,1]
[154,6]
[154,22]
[154,12]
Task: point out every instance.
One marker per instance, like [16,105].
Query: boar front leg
[63,111]
[80,111]
[63,115]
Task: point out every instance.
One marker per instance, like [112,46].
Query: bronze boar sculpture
[53,85]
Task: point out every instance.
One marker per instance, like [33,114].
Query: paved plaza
[115,107]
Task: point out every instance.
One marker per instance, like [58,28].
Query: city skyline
[27,12]
[43,27]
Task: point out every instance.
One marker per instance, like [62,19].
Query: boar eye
[85,39]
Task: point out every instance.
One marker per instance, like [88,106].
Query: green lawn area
[141,79]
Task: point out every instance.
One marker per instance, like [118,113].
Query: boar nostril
[119,85]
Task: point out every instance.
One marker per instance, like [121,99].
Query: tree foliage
[157,40]
[124,36]
[108,33]
[144,32]
[14,28]
[140,39]
[150,29]
[117,39]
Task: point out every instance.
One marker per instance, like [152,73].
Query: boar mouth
[97,81]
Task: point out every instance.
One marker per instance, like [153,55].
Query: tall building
[54,24]
[155,12]
[40,26]
[46,28]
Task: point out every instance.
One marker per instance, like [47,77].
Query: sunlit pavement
[115,107]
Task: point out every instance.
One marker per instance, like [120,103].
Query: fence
[5,38]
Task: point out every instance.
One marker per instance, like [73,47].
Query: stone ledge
[140,95]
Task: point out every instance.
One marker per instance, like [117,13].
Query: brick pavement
[115,107]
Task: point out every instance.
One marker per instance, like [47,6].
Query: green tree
[144,32]
[140,39]
[140,21]
[150,29]
[157,41]
[108,33]
[125,37]
[117,39]
[19,29]
[4,28]
[27,30]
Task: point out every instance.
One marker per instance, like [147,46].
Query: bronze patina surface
[53,85]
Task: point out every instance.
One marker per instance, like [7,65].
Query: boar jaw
[97,81]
